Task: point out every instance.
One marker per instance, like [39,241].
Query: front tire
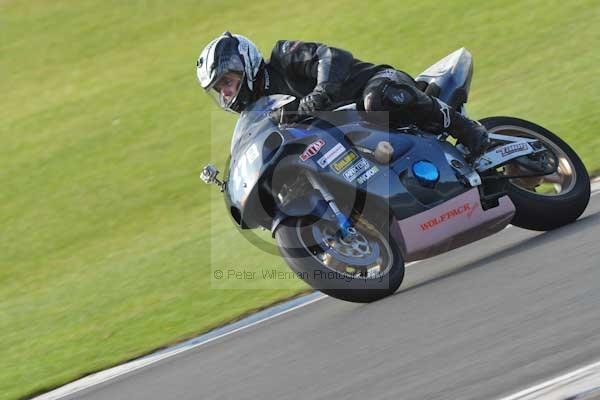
[305,250]
[551,201]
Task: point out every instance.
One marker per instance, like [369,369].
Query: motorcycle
[349,202]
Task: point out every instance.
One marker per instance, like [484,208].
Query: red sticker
[312,149]
[466,209]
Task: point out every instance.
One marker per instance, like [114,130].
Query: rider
[231,69]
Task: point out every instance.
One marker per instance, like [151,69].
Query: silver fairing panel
[452,75]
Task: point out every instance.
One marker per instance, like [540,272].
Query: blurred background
[107,238]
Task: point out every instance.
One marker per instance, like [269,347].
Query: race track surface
[481,322]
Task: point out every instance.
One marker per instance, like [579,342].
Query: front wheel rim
[325,258]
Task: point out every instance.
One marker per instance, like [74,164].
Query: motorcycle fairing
[260,149]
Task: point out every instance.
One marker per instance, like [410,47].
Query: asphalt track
[481,322]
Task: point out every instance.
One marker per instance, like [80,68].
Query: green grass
[108,242]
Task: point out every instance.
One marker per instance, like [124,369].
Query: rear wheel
[363,268]
[545,202]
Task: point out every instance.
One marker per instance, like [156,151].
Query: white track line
[557,382]
[106,375]
[530,393]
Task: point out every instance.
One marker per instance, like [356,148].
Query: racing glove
[317,100]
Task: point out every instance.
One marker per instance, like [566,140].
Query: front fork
[346,228]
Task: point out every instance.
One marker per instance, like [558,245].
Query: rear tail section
[449,79]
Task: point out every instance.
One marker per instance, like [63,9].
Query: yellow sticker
[344,161]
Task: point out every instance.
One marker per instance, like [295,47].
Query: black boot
[468,132]
[408,104]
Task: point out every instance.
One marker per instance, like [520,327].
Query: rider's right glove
[317,100]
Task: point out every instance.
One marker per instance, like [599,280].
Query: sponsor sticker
[312,149]
[331,155]
[466,209]
[367,175]
[252,153]
[512,148]
[355,170]
[344,161]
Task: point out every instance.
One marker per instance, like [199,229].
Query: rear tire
[299,247]
[543,211]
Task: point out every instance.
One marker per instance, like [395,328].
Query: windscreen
[256,117]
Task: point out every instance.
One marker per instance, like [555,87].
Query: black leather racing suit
[296,68]
[328,75]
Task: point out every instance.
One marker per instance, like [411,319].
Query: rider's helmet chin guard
[229,54]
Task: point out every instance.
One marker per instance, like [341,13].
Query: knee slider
[400,95]
[372,98]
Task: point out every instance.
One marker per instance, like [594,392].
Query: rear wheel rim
[561,182]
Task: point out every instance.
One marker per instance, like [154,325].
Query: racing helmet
[227,69]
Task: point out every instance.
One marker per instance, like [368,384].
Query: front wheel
[363,268]
[545,202]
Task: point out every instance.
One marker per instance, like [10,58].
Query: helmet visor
[226,89]
[227,80]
